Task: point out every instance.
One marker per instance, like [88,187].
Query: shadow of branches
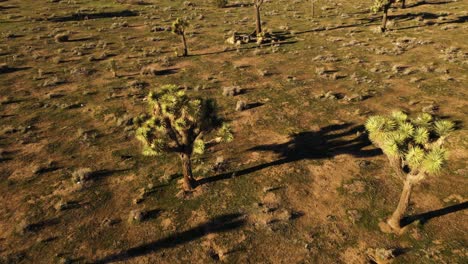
[218,224]
[326,143]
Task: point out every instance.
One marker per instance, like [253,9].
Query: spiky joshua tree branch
[414,148]
[177,124]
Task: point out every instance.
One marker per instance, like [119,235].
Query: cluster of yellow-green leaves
[416,141]
[179,26]
[177,123]
[378,5]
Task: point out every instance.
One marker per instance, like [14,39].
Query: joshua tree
[178,27]
[113,68]
[177,124]
[414,147]
[384,6]
[258,27]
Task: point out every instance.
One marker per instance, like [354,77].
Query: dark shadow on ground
[253,105]
[369,22]
[13,69]
[420,3]
[38,226]
[7,7]
[218,224]
[243,48]
[458,20]
[239,5]
[410,16]
[424,217]
[80,39]
[167,71]
[86,16]
[325,143]
[101,174]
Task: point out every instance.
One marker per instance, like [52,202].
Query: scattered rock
[241,105]
[380,255]
[232,90]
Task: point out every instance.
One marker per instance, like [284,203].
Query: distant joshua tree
[178,124]
[258,27]
[113,68]
[384,6]
[414,148]
[179,27]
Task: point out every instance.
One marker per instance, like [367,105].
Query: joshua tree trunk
[394,220]
[396,164]
[189,181]
[184,41]
[258,28]
[313,7]
[385,18]
[403,4]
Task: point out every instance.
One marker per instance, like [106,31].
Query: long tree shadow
[325,143]
[218,224]
[242,48]
[458,20]
[283,38]
[239,5]
[424,217]
[420,3]
[5,69]
[86,16]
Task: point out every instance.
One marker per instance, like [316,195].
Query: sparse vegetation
[302,173]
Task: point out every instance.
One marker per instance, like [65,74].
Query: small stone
[232,90]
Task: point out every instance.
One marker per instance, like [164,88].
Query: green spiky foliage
[178,124]
[414,147]
[417,142]
[179,27]
[378,5]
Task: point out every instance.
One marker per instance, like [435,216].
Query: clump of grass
[81,175]
[136,216]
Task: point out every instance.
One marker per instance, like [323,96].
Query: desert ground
[299,183]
